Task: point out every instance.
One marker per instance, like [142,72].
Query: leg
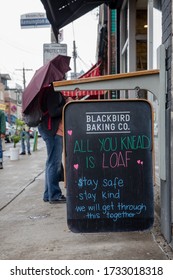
[53,166]
[28,143]
[23,142]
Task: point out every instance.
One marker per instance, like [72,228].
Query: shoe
[23,153]
[62,199]
[1,166]
[45,200]
[29,153]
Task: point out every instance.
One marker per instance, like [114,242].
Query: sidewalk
[32,229]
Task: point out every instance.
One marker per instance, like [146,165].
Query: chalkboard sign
[108,165]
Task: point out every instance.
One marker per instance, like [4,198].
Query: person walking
[51,106]
[25,140]
[2,135]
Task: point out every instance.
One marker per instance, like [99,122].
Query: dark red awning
[93,72]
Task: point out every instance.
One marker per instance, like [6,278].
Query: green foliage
[16,137]
[19,124]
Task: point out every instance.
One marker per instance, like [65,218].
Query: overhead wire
[15,45]
[87,66]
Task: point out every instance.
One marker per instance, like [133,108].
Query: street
[9,145]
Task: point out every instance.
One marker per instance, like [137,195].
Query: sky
[23,48]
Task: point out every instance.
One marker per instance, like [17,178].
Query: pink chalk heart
[76,166]
[138,161]
[69,132]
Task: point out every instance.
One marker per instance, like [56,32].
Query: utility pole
[24,79]
[74,58]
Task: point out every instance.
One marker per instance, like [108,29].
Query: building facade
[141,27]
[10,99]
[130,33]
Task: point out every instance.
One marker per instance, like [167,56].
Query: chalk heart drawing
[140,162]
[70,132]
[76,166]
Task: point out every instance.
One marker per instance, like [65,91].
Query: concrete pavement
[35,230]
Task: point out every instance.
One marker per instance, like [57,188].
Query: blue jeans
[1,152]
[54,145]
[25,137]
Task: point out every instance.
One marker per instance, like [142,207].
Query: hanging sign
[34,20]
[50,51]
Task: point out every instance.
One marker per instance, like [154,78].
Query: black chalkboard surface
[108,165]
